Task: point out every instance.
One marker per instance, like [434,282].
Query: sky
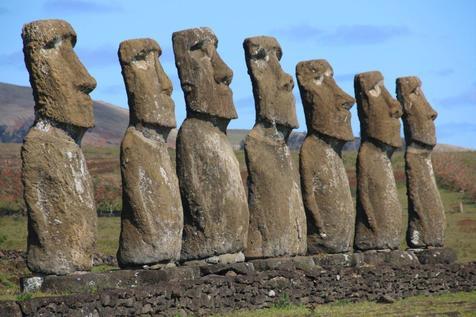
[432,39]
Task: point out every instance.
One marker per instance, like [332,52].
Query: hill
[17,115]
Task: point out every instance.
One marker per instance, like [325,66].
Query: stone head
[204,77]
[379,113]
[60,83]
[418,116]
[326,105]
[272,87]
[148,87]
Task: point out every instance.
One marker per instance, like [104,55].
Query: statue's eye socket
[141,56]
[53,43]
[319,79]
[260,54]
[416,91]
[197,46]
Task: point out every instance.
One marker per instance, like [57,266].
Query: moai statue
[277,217]
[325,187]
[58,189]
[215,210]
[426,214]
[379,220]
[152,214]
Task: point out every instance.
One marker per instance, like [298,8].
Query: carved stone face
[61,85]
[379,113]
[204,77]
[148,87]
[418,116]
[326,105]
[272,87]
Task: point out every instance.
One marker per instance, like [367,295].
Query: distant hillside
[17,114]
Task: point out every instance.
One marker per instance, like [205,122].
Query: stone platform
[231,288]
[85,282]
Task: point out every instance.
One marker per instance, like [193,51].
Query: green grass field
[454,304]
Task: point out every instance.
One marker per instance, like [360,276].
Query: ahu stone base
[232,264]
[222,288]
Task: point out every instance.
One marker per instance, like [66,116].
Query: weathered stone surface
[334,260]
[325,188]
[58,190]
[121,279]
[418,115]
[303,263]
[59,81]
[426,214]
[214,294]
[31,284]
[272,87]
[10,309]
[152,215]
[277,218]
[226,258]
[148,87]
[382,257]
[326,105]
[280,263]
[58,193]
[379,213]
[379,113]
[222,269]
[215,210]
[435,255]
[216,214]
[203,74]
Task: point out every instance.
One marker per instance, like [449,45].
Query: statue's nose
[396,110]
[223,73]
[84,81]
[287,82]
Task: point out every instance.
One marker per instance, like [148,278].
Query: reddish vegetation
[11,188]
[455,171]
[452,171]
[103,168]
[467,225]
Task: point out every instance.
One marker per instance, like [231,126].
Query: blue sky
[435,40]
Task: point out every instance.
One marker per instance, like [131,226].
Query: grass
[14,229]
[452,304]
[108,235]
